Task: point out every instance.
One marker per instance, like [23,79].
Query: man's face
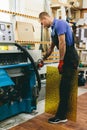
[45,21]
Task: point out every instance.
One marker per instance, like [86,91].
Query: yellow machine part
[3,47]
[52,93]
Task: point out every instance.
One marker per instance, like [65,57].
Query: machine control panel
[6,32]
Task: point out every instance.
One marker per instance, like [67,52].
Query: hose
[33,63]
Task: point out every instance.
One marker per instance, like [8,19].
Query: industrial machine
[19,78]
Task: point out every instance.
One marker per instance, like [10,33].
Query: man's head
[45,19]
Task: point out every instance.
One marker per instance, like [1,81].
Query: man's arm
[62,46]
[48,53]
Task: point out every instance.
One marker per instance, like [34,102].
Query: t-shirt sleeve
[60,27]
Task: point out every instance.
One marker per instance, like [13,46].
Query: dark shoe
[55,120]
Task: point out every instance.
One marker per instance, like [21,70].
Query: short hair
[42,14]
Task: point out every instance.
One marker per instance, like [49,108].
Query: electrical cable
[33,63]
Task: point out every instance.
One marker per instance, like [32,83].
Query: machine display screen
[2,27]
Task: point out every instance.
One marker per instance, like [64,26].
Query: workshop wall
[32,8]
[84,4]
[4,5]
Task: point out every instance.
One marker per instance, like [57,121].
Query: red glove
[60,66]
[40,63]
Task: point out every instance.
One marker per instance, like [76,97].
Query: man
[62,38]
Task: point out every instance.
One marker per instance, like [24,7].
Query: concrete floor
[11,122]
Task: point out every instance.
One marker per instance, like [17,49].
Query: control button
[8,26]
[9,38]
[3,37]
[9,31]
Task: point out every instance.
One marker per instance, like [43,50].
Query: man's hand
[40,63]
[62,51]
[49,51]
[62,46]
[60,66]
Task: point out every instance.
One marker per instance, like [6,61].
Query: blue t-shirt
[60,27]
